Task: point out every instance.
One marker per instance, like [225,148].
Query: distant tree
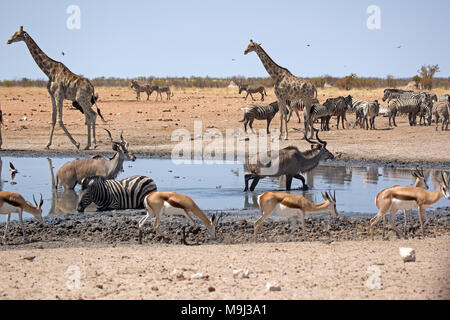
[391,81]
[417,80]
[427,73]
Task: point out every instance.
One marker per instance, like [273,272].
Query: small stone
[178,274]
[100,286]
[197,276]
[273,286]
[407,254]
[211,289]
[240,273]
[155,288]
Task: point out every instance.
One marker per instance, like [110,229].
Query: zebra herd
[138,88]
[426,105]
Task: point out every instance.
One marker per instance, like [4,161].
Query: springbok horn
[35,201]
[334,195]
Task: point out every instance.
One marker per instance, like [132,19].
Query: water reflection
[218,186]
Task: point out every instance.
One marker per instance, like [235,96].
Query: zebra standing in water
[253,112]
[109,194]
[139,88]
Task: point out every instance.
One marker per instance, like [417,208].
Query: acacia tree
[427,72]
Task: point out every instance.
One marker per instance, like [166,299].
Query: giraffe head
[251,47]
[17,36]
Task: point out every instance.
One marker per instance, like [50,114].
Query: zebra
[140,88]
[257,112]
[323,113]
[444,97]
[369,111]
[252,89]
[390,94]
[297,106]
[109,194]
[441,109]
[338,107]
[411,106]
[160,89]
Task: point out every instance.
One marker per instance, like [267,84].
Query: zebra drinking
[108,194]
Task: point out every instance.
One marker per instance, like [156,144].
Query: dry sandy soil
[304,270]
[148,125]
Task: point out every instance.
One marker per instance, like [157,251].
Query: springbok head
[17,36]
[332,202]
[37,212]
[121,146]
[421,181]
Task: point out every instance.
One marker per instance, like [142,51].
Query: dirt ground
[112,266]
[304,270]
[148,125]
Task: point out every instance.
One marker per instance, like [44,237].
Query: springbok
[73,172]
[14,202]
[292,206]
[172,203]
[289,161]
[403,198]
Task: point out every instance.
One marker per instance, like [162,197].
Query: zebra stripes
[160,89]
[441,110]
[252,89]
[297,106]
[257,112]
[108,194]
[365,112]
[410,106]
[140,88]
[338,107]
[323,113]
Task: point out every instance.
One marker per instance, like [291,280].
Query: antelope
[73,172]
[172,203]
[289,161]
[399,197]
[420,182]
[292,206]
[14,202]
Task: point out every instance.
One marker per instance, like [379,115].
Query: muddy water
[216,186]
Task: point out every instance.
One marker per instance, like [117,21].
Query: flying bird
[13,170]
[308,45]
[63,53]
[398,47]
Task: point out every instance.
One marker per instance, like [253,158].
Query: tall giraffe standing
[287,87]
[62,85]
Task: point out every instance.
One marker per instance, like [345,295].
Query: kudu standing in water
[74,171]
[290,162]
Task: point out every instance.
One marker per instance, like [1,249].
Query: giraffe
[287,87]
[62,85]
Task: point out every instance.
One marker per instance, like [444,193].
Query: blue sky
[200,38]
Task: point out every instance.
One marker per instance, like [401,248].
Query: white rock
[197,276]
[273,286]
[240,273]
[407,254]
[178,274]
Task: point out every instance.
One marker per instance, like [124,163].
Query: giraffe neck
[274,70]
[42,60]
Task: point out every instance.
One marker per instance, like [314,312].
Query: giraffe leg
[59,100]
[53,119]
